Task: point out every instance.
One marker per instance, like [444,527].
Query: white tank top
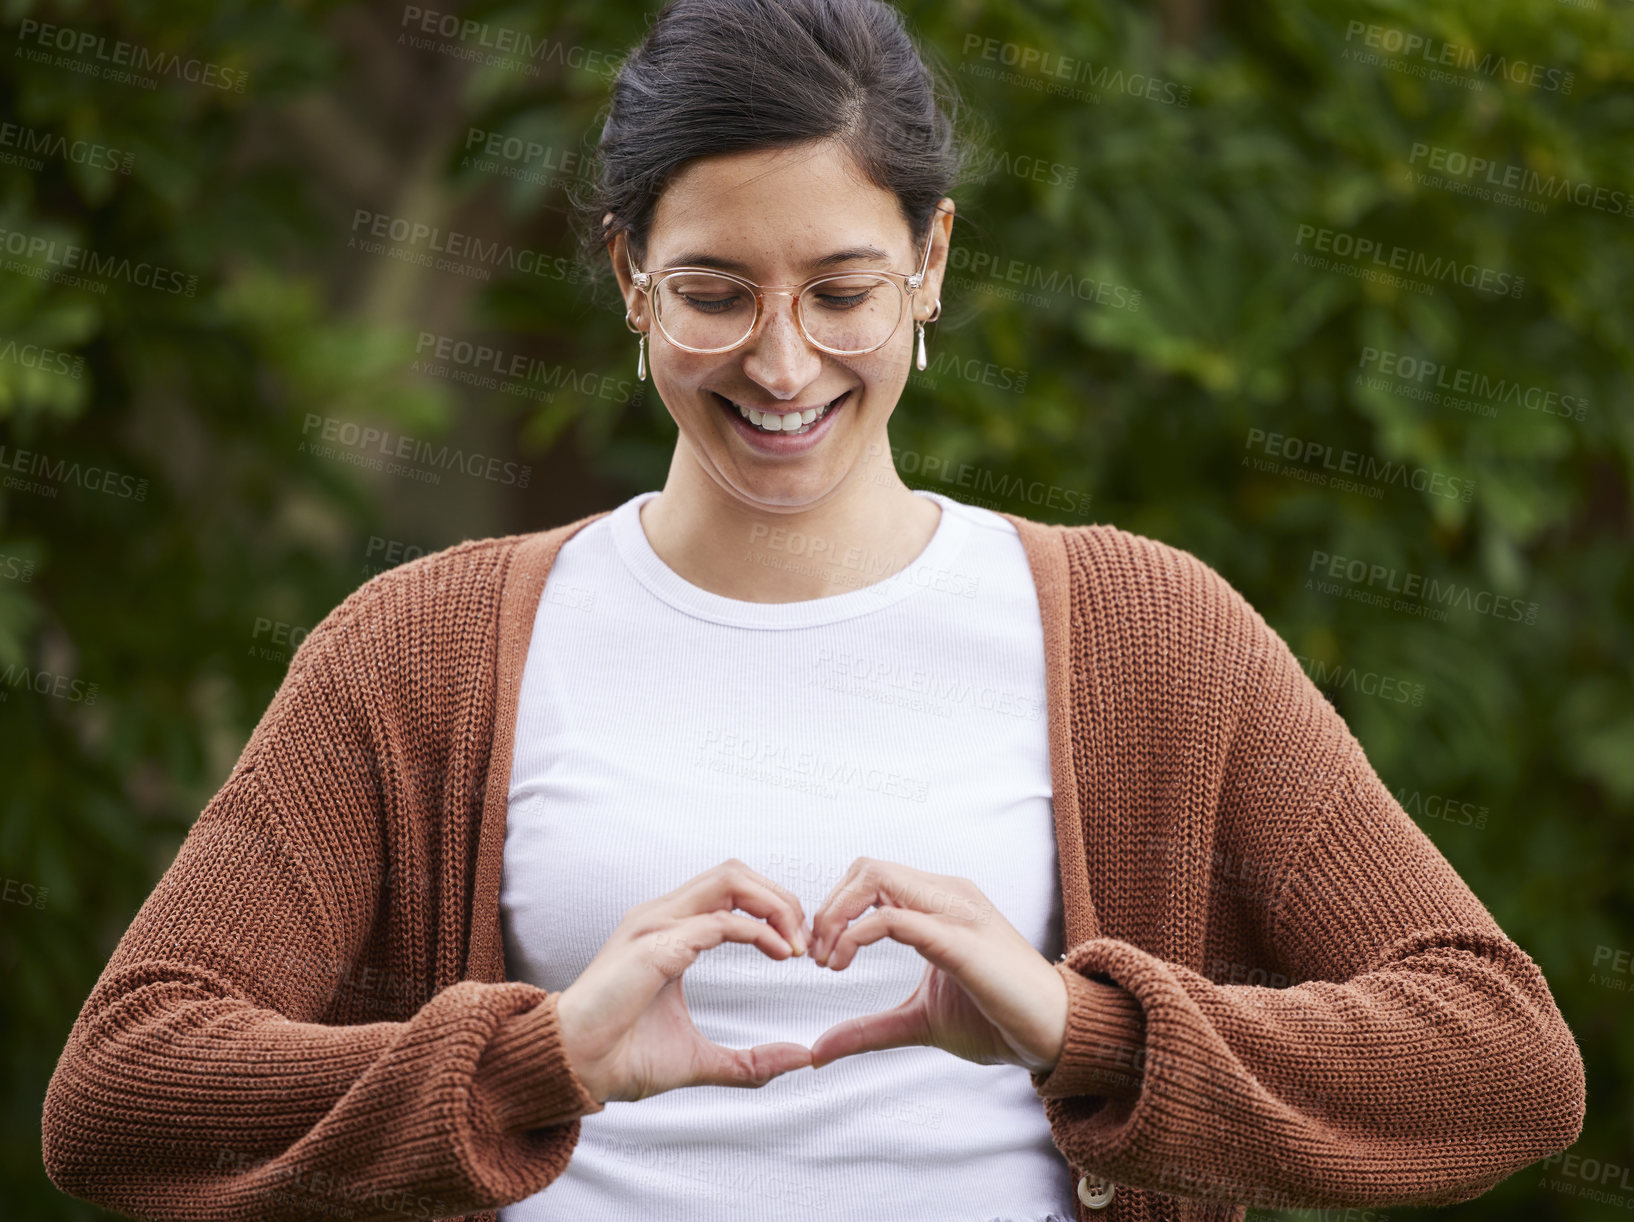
[663,729]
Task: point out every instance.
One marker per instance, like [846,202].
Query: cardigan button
[1096,1196]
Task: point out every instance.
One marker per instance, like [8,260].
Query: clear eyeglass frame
[907,285]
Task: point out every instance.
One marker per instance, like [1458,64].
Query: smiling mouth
[791,423]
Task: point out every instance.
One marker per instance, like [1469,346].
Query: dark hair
[726,76]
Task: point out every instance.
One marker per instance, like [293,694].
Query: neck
[873,526]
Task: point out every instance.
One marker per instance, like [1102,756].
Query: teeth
[784,422]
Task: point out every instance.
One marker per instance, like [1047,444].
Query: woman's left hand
[987,995]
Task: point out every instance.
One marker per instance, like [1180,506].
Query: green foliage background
[1149,410]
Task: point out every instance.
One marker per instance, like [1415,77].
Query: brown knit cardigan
[1282,993]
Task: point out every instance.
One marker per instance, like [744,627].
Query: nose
[777,355]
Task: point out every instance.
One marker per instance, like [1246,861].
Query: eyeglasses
[843,313]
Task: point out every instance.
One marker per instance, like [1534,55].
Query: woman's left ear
[940,244]
[621,271]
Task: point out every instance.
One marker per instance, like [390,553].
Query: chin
[788,489]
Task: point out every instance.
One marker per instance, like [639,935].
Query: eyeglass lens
[855,313]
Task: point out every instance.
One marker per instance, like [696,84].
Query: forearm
[204,1108]
[1427,1080]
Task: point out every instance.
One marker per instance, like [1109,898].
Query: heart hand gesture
[624,1022]
[987,995]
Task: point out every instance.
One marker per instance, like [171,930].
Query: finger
[735,885]
[739,869]
[747,1067]
[840,905]
[993,981]
[927,934]
[870,883]
[901,1026]
[841,887]
[674,948]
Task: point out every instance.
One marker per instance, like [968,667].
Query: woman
[424,952]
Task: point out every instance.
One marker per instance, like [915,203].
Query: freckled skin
[775,211]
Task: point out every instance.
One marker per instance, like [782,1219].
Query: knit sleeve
[1417,1057]
[200,1079]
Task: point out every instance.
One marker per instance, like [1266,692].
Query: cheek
[884,378]
[882,370]
[685,372]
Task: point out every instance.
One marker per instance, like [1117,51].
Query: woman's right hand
[624,1022]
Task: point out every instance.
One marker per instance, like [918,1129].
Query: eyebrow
[699,258]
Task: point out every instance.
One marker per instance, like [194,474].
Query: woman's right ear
[612,248]
[616,246]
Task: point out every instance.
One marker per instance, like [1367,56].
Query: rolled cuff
[1103,1053]
[525,1079]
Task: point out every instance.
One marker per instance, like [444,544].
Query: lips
[781,421]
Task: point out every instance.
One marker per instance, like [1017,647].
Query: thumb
[751,1067]
[901,1026]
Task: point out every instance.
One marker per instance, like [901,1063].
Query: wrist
[1055,1005]
[1105,1048]
[568,1029]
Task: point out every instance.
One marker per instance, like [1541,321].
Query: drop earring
[919,361]
[640,348]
